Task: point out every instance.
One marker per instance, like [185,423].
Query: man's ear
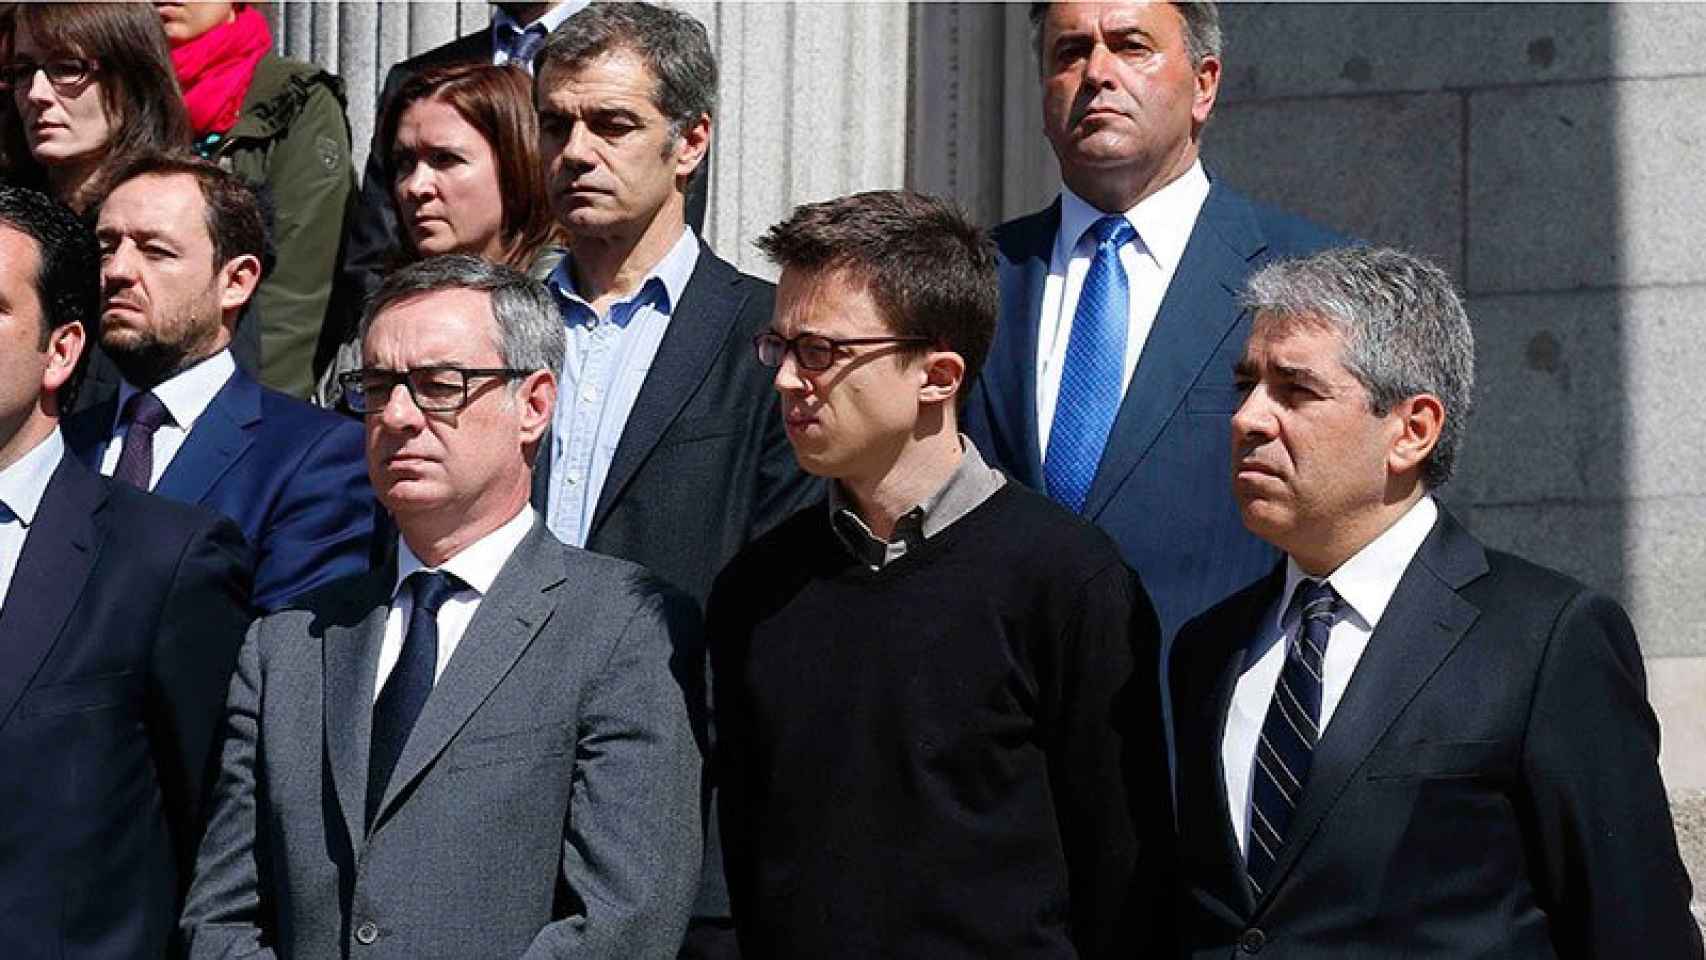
[237,281]
[690,147]
[64,346]
[1206,90]
[1417,422]
[944,375]
[535,399]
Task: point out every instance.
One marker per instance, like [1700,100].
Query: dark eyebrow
[1303,375]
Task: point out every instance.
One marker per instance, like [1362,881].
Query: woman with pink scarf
[281,124]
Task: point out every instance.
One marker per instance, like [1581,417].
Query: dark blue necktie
[1289,733]
[525,45]
[406,690]
[145,414]
[1090,377]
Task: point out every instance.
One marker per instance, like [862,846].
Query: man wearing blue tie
[1110,378]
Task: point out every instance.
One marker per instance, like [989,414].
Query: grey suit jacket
[546,804]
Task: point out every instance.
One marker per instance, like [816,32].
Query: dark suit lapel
[220,435]
[59,553]
[1422,625]
[698,327]
[508,619]
[1197,313]
[1009,381]
[350,654]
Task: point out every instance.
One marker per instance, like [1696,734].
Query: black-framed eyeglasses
[813,351]
[61,72]
[435,389]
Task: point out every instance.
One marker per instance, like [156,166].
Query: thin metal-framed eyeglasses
[436,389]
[61,72]
[813,351]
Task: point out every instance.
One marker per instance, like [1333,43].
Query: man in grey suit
[481,748]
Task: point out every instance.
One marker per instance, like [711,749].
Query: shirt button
[1252,940]
[366,933]
[589,394]
[574,477]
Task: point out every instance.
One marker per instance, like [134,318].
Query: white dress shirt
[1163,221]
[22,485]
[476,565]
[506,30]
[185,396]
[1365,583]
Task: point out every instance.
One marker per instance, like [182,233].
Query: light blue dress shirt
[606,364]
[22,485]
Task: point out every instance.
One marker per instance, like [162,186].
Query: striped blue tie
[1091,376]
[1289,733]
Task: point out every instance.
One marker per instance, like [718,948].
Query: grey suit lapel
[508,619]
[1424,622]
[350,654]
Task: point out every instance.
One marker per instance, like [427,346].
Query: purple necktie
[144,413]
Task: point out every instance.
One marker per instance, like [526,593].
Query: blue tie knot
[1116,230]
[432,588]
[1317,600]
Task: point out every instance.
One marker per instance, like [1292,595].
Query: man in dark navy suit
[120,619]
[1111,375]
[1400,743]
[182,249]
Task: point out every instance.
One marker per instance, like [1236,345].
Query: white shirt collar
[477,564]
[187,394]
[1163,220]
[1368,579]
[24,483]
[502,22]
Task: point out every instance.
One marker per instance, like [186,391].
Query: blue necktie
[1090,377]
[1289,732]
[525,45]
[406,690]
[146,414]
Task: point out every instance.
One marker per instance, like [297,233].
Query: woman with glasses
[281,123]
[90,86]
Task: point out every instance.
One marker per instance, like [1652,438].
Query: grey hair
[1403,325]
[674,46]
[529,329]
[1202,29]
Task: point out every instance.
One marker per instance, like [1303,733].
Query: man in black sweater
[938,732]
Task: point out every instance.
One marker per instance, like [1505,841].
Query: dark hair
[929,269]
[139,86]
[231,209]
[673,45]
[68,280]
[497,102]
[1202,29]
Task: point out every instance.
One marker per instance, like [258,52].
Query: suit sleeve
[224,915]
[1108,769]
[1610,871]
[726,637]
[201,627]
[632,843]
[322,528]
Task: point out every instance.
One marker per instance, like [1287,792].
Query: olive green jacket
[293,137]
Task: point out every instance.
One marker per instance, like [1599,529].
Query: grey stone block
[1309,49]
[1586,185]
[1385,169]
[1688,811]
[1676,686]
[1646,553]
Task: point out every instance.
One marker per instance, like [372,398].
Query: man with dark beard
[182,250]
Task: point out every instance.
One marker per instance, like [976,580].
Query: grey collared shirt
[973,482]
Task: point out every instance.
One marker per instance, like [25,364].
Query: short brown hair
[139,86]
[929,269]
[498,103]
[232,211]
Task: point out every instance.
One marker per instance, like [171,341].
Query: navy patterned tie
[525,46]
[145,413]
[406,690]
[1289,733]
[1094,367]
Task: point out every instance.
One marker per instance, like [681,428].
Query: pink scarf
[215,69]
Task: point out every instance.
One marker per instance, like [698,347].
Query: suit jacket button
[366,933]
[1252,940]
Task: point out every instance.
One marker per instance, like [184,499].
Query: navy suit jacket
[117,639]
[293,477]
[1487,787]
[1163,490]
